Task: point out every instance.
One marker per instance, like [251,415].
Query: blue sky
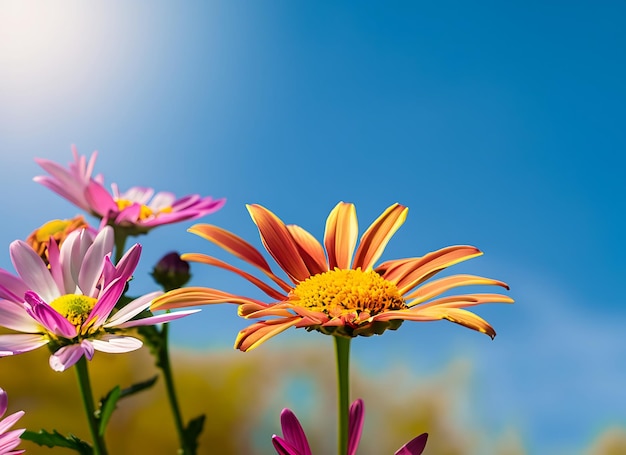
[500,125]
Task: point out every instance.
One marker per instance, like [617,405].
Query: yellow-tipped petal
[310,249]
[408,273]
[279,242]
[375,239]
[254,335]
[202,258]
[438,287]
[193,296]
[341,235]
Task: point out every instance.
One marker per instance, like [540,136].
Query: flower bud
[171,272]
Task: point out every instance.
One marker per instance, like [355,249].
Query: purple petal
[414,447]
[19,343]
[48,317]
[33,270]
[283,447]
[355,425]
[293,432]
[116,344]
[67,356]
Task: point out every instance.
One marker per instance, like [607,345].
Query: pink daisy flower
[138,209]
[9,440]
[294,441]
[69,303]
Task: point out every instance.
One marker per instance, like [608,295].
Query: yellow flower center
[145,211]
[342,292]
[75,308]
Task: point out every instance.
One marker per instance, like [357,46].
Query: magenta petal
[355,425]
[99,199]
[127,265]
[47,316]
[105,304]
[293,432]
[4,401]
[283,447]
[414,447]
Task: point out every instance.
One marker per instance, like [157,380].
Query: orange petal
[375,239]
[408,273]
[252,336]
[192,296]
[438,287]
[202,258]
[279,243]
[458,316]
[462,301]
[280,309]
[238,247]
[341,235]
[310,249]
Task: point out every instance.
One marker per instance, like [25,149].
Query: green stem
[84,385]
[342,350]
[165,366]
[120,242]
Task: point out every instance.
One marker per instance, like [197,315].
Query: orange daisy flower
[336,290]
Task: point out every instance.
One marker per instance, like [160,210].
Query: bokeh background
[500,124]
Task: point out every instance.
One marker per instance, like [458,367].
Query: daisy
[337,290]
[69,302]
[137,210]
[294,441]
[9,440]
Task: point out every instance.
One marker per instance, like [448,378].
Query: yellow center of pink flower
[338,292]
[145,211]
[74,307]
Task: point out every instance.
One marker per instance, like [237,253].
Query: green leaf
[192,432]
[56,439]
[106,408]
[138,387]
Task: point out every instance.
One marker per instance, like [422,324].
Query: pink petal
[105,304]
[4,402]
[115,344]
[158,319]
[355,426]
[414,447]
[10,420]
[33,270]
[67,356]
[93,262]
[99,199]
[13,316]
[11,287]
[283,447]
[293,432]
[132,309]
[48,317]
[18,343]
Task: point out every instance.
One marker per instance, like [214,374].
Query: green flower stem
[342,350]
[165,366]
[120,242]
[84,384]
